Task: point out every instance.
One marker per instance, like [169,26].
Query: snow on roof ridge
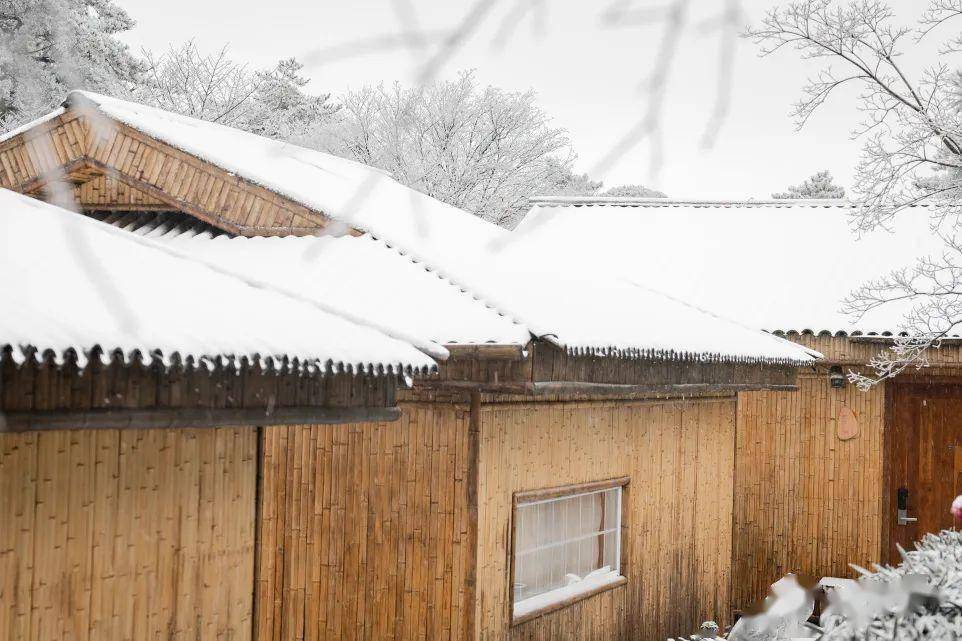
[16,131]
[576,201]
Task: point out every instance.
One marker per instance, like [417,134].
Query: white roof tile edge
[587,201]
[420,361]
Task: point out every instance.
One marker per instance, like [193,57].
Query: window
[567,546]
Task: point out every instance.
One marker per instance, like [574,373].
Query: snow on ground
[72,283]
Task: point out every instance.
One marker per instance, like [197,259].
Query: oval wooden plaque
[847,424]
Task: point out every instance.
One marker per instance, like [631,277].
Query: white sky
[587,76]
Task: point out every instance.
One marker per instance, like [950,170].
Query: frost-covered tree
[48,47]
[820,185]
[633,191]
[568,183]
[216,88]
[482,149]
[912,149]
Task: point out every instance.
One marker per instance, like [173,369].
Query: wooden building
[817,470]
[129,417]
[568,473]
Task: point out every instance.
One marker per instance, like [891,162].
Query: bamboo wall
[805,501]
[365,529]
[110,535]
[679,456]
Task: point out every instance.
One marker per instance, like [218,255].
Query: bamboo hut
[131,379]
[567,472]
[818,471]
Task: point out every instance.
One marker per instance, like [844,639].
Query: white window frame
[545,602]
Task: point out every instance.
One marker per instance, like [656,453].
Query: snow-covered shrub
[920,599]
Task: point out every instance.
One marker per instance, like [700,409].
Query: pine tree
[633,191]
[215,88]
[821,185]
[48,47]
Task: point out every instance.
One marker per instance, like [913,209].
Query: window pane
[559,541]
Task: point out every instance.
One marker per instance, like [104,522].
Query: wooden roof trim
[266,193]
[486,351]
[189,417]
[161,195]
[41,129]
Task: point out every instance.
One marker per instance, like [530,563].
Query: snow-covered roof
[600,316]
[71,284]
[351,193]
[588,309]
[360,275]
[597,315]
[780,265]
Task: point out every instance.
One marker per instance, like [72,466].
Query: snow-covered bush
[920,599]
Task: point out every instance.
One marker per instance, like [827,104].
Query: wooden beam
[545,388]
[487,351]
[531,496]
[169,418]
[473,481]
[163,196]
[39,182]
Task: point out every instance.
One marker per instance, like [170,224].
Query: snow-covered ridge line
[576,201]
[59,111]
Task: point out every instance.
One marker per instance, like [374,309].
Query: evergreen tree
[821,185]
[633,191]
[48,47]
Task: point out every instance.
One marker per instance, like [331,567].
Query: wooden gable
[109,165]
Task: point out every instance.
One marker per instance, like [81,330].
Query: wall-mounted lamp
[836,377]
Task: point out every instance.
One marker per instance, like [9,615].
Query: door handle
[905,520]
[903,507]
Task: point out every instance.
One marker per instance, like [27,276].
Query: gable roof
[74,285]
[405,232]
[779,265]
[353,194]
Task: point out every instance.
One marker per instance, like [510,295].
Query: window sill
[567,600]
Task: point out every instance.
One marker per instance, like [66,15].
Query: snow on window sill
[541,604]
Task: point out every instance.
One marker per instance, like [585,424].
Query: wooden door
[925,459]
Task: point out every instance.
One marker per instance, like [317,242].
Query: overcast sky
[589,76]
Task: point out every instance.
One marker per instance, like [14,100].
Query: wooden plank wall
[679,455]
[83,144]
[106,192]
[53,146]
[805,501]
[364,529]
[111,535]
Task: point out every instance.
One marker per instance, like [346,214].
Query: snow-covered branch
[911,161]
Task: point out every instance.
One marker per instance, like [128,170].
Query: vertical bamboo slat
[678,456]
[142,535]
[805,501]
[364,529]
